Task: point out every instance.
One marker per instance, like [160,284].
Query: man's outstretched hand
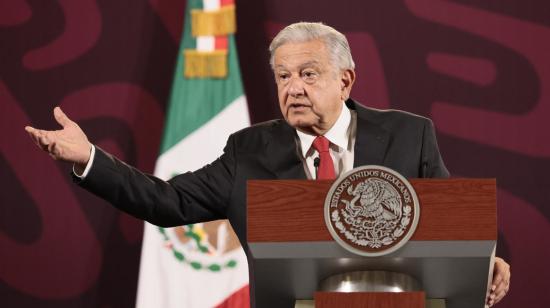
[68,144]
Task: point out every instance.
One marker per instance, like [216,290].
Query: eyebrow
[301,66]
[309,63]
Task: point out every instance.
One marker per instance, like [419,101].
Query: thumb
[61,117]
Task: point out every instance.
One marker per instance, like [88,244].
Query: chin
[304,126]
[302,120]
[297,121]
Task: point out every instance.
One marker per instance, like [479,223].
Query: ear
[346,80]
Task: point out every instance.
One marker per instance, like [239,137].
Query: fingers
[40,137]
[501,291]
[54,151]
[33,133]
[497,280]
[501,281]
[498,292]
[61,117]
[37,136]
[44,141]
[501,273]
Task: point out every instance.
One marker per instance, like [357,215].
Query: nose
[296,87]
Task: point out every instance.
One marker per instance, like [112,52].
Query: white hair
[301,32]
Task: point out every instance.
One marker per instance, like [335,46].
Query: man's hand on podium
[501,281]
[68,144]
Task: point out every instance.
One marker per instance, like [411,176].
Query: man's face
[310,88]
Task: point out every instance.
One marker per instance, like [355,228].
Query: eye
[309,75]
[282,77]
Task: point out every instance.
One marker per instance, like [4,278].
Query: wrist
[85,158]
[80,166]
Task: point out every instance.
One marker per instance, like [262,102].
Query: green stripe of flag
[193,102]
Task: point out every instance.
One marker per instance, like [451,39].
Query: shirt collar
[337,134]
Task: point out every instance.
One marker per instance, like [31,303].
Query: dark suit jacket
[395,139]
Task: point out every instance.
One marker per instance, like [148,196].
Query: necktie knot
[321,144]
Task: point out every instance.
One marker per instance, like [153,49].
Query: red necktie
[326,166]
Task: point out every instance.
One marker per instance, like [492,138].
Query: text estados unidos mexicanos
[367,174]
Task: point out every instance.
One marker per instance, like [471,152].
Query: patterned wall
[479,69]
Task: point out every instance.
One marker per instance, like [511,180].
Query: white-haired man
[314,73]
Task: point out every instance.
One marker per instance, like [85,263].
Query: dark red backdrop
[479,69]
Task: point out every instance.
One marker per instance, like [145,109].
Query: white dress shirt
[342,140]
[88,165]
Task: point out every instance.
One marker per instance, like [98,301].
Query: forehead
[291,55]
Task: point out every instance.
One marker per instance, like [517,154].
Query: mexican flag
[200,265]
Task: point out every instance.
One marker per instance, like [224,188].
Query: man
[314,72]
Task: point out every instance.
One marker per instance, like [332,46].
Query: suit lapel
[371,139]
[370,145]
[282,154]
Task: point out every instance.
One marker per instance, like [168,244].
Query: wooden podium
[451,253]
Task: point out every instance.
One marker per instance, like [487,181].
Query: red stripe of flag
[220,42]
[239,299]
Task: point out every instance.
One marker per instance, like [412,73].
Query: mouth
[298,106]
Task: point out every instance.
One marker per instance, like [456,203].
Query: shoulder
[391,118]
[260,129]
[258,135]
